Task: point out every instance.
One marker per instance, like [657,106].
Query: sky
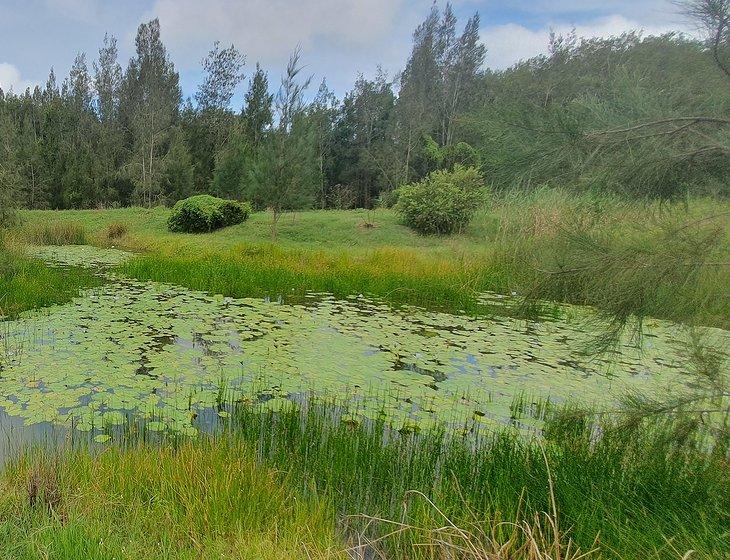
[339,38]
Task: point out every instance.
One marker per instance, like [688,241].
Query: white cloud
[10,78]
[510,43]
[268,30]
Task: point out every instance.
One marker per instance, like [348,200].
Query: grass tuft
[116,230]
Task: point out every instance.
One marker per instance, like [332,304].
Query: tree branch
[689,120]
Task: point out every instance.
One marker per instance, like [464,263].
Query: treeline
[643,117]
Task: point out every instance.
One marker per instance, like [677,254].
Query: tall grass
[301,483]
[60,232]
[622,258]
[397,276]
[631,495]
[629,260]
[522,240]
[197,500]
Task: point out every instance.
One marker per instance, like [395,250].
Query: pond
[172,355]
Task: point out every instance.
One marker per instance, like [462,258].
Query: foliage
[637,116]
[581,118]
[257,114]
[232,167]
[205,213]
[222,68]
[284,174]
[629,279]
[462,154]
[448,157]
[443,202]
[177,176]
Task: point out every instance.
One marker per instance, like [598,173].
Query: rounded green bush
[443,202]
[204,213]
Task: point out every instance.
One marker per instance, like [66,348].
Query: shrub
[443,202]
[203,213]
[116,230]
[56,233]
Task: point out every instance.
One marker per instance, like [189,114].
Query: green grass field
[521,243]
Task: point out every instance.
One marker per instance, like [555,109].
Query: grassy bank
[29,284]
[585,249]
[303,485]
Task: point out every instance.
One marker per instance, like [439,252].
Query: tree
[208,127]
[439,82]
[110,148]
[29,162]
[714,16]
[232,167]
[634,116]
[177,169]
[150,102]
[234,163]
[78,182]
[323,114]
[9,178]
[222,70]
[363,152]
[107,81]
[80,85]
[257,112]
[284,174]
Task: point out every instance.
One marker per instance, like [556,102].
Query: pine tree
[107,81]
[323,114]
[177,169]
[257,112]
[439,80]
[150,105]
[9,177]
[110,148]
[222,70]
[363,155]
[285,174]
[232,167]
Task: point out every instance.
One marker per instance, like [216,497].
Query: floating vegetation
[84,256]
[171,356]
